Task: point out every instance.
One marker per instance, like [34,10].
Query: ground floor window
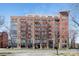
[30,43]
[64,46]
[37,45]
[23,43]
[50,43]
[44,45]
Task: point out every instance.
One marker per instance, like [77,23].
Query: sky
[21,9]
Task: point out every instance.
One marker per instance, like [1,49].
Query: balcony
[37,22]
[37,29]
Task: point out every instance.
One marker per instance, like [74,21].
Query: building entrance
[50,43]
[37,45]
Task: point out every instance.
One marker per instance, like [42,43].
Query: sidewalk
[37,52]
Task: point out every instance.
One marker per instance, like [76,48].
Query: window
[36,22]
[64,46]
[23,35]
[23,43]
[29,26]
[63,28]
[57,20]
[14,32]
[49,20]
[44,20]
[49,26]
[63,19]
[65,41]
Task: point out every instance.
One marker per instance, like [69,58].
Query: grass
[5,53]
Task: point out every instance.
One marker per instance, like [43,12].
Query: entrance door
[50,43]
[23,43]
[1,45]
[30,43]
[37,45]
[44,45]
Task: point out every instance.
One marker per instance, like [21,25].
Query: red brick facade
[3,40]
[42,31]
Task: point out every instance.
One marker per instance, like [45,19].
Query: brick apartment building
[34,31]
[3,40]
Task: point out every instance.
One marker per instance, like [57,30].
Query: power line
[73,19]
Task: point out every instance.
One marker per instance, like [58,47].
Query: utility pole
[75,9]
[75,21]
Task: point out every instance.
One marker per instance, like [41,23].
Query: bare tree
[74,11]
[2,24]
[74,32]
[1,20]
[56,34]
[73,35]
